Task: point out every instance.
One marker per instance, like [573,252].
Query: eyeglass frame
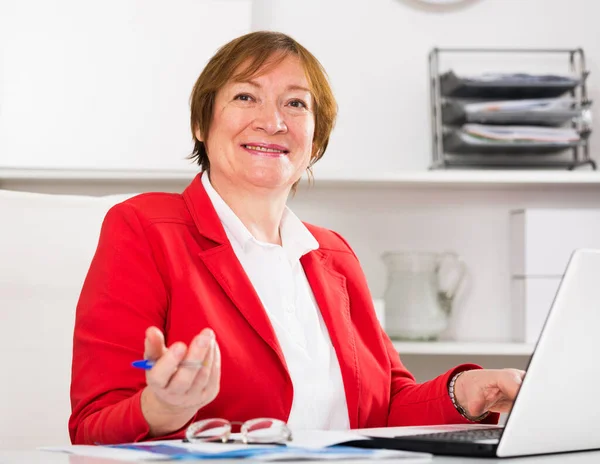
[244,426]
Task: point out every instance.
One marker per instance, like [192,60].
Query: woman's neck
[259,209]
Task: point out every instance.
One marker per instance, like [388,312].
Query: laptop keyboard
[463,435]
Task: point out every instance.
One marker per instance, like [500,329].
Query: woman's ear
[198,134]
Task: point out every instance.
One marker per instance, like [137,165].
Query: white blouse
[279,280]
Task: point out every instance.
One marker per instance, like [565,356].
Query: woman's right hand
[174,394]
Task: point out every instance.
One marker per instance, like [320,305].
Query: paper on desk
[104,452]
[175,451]
[324,438]
[307,445]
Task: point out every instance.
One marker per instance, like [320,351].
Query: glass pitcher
[416,305]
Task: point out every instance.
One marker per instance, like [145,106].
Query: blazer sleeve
[123,294]
[427,403]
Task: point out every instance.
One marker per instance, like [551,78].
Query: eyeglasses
[261,430]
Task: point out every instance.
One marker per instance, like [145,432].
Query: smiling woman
[241,310]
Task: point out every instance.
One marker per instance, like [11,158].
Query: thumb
[154,343]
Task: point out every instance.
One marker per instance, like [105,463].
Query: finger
[203,377]
[501,406]
[518,375]
[154,343]
[510,382]
[198,351]
[160,375]
[213,385]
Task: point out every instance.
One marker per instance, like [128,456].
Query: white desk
[8,456]
[45,457]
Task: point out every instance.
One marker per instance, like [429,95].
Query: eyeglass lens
[264,430]
[261,430]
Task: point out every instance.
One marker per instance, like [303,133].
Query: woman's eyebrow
[248,81]
[258,86]
[298,87]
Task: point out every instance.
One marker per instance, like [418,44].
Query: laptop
[557,408]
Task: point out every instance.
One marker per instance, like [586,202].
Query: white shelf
[463,178]
[449,178]
[460,348]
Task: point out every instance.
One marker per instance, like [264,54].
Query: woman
[277,311]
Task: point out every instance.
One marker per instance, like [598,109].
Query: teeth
[270,150]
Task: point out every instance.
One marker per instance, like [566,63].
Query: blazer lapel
[222,263]
[331,294]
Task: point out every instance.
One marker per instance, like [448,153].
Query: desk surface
[47,457]
[8,456]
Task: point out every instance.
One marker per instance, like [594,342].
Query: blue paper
[180,453]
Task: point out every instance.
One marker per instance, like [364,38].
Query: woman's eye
[298,104]
[243,97]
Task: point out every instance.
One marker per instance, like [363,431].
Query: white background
[105,84]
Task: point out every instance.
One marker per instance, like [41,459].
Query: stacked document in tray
[507,117]
[518,134]
[533,104]
[481,139]
[536,111]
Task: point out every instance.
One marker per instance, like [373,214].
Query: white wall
[375,52]
[105,84]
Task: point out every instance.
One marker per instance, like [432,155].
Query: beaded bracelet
[458,407]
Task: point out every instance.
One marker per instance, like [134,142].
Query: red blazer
[165,260]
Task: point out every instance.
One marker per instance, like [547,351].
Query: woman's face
[262,130]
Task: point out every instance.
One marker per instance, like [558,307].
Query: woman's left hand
[481,390]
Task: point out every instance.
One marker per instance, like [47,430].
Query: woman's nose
[269,119]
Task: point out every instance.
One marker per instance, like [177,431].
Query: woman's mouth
[273,151]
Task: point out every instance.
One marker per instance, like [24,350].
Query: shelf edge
[478,178]
[468,348]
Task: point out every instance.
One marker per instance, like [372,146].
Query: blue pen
[147,364]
